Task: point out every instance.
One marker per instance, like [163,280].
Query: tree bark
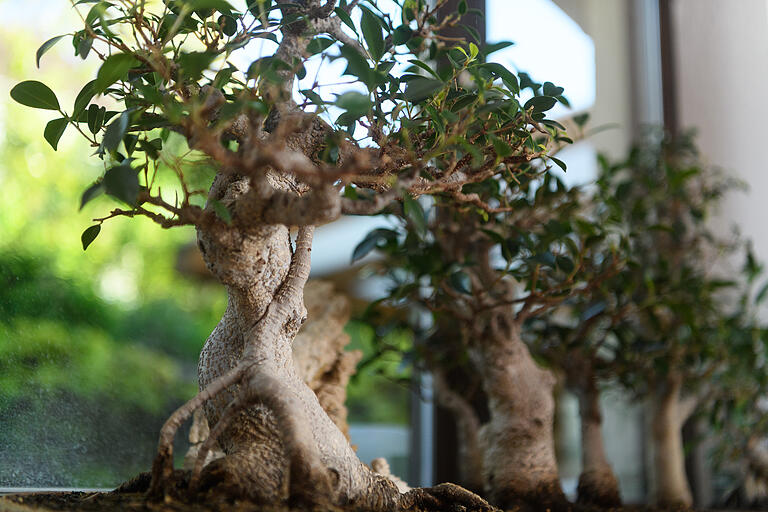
[284,446]
[670,412]
[598,484]
[280,445]
[519,465]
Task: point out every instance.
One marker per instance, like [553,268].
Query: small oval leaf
[32,93]
[91,192]
[54,130]
[89,235]
[45,47]
[114,68]
[122,182]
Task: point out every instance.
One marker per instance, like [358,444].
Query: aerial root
[235,407]
[310,482]
[162,467]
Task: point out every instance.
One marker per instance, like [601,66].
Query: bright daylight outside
[383,255]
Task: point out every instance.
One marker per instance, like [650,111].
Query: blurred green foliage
[95,348]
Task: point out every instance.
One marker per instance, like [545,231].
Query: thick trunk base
[599,488]
[546,496]
[224,489]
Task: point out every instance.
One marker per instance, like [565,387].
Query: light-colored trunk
[280,444]
[259,442]
[598,484]
[319,357]
[670,413]
[519,464]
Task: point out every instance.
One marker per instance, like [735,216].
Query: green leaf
[559,163]
[84,97]
[192,64]
[473,51]
[761,294]
[259,7]
[550,89]
[424,66]
[228,25]
[122,182]
[96,118]
[506,75]
[372,33]
[401,35]
[32,93]
[54,130]
[90,193]
[115,131]
[89,235]
[319,44]
[593,310]
[202,5]
[494,47]
[344,17]
[415,213]
[371,241]
[459,281]
[84,47]
[222,211]
[222,77]
[420,89]
[462,8]
[113,69]
[540,103]
[354,102]
[581,119]
[45,47]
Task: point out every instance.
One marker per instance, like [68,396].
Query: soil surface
[131,496]
[128,501]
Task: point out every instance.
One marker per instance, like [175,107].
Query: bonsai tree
[482,263]
[673,344]
[576,341]
[735,410]
[282,158]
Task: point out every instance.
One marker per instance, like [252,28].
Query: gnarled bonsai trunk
[519,464]
[597,483]
[670,412]
[283,445]
[280,445]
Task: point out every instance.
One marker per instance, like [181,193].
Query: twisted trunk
[670,412]
[284,445]
[597,483]
[519,465]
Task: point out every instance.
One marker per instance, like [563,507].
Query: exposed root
[230,413]
[443,497]
[162,467]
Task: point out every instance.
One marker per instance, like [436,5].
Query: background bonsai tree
[180,100]
[575,340]
[674,343]
[482,262]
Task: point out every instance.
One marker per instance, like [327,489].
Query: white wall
[721,52]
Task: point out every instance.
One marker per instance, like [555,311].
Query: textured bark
[318,350]
[670,412]
[280,445]
[598,484]
[320,359]
[519,465]
[285,446]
